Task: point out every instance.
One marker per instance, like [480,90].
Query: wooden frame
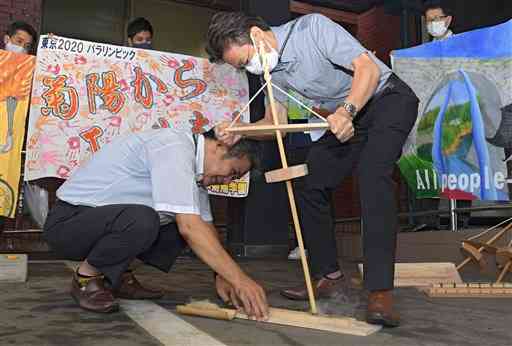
[474,250]
[259,130]
[284,174]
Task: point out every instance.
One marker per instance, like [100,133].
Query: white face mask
[437,28]
[10,47]
[255,67]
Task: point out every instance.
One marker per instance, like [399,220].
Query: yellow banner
[16,71]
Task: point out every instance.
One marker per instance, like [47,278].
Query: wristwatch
[350,108]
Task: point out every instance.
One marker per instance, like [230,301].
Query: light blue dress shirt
[311,59]
[156,168]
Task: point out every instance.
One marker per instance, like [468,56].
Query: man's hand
[226,291]
[253,298]
[248,296]
[341,125]
[203,239]
[225,137]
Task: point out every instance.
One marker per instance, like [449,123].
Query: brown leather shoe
[93,295]
[380,309]
[131,288]
[323,288]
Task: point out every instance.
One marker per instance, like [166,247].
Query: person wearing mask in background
[20,37]
[140,33]
[438,18]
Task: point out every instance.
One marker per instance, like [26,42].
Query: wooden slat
[470,290]
[477,245]
[423,274]
[270,129]
[284,174]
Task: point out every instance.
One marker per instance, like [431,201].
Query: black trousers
[381,129]
[110,237]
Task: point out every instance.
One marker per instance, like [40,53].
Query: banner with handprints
[87,93]
[16,71]
[462,141]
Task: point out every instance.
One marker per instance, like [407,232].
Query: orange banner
[16,71]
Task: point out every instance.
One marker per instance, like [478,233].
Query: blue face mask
[144,45]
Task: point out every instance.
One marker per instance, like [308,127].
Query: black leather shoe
[131,288]
[323,288]
[92,295]
[380,309]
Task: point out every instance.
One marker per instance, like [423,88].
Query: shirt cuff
[177,209]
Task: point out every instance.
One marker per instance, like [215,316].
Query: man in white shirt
[143,196]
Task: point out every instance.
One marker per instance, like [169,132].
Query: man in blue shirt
[370,112]
[142,196]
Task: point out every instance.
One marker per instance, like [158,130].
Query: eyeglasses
[19,41]
[435,19]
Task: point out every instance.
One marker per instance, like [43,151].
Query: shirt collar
[448,33]
[281,32]
[200,155]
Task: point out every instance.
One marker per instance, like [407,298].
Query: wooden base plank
[343,325]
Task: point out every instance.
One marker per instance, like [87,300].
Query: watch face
[350,108]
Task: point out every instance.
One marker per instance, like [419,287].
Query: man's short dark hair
[227,28]
[243,148]
[435,4]
[23,26]
[138,25]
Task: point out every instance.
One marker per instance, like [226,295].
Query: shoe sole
[306,298]
[138,298]
[383,322]
[113,308]
[293,297]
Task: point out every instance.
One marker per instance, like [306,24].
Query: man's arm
[342,49]
[203,239]
[365,81]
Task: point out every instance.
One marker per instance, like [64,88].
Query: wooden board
[343,325]
[423,274]
[258,130]
[470,290]
[288,173]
